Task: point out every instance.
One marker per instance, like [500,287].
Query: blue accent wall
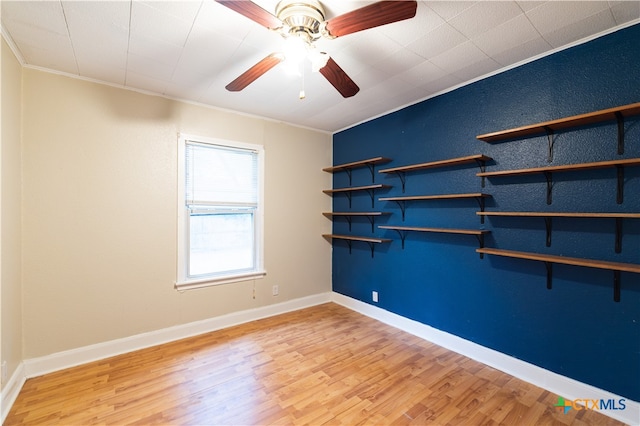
[575,329]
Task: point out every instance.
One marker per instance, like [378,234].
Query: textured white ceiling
[191,50]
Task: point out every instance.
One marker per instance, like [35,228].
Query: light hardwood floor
[321,365]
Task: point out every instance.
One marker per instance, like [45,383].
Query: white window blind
[221,226]
[219,175]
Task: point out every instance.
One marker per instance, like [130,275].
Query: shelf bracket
[371,167]
[403,207]
[349,220]
[549,267]
[549,178]
[616,280]
[349,243]
[618,247]
[348,195]
[480,201]
[551,142]
[372,195]
[371,219]
[403,179]
[348,171]
[371,247]
[480,239]
[483,166]
[620,184]
[620,120]
[402,235]
[547,225]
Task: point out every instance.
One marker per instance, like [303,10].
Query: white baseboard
[11,390]
[566,387]
[38,366]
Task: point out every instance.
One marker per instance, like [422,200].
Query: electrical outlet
[4,371]
[275,290]
[374,296]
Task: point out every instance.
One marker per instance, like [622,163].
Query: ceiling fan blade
[252,11]
[250,75]
[339,79]
[374,15]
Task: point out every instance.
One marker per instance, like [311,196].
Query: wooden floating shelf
[441,163]
[563,168]
[358,238]
[356,188]
[348,167]
[331,214]
[600,264]
[350,190]
[350,215]
[401,171]
[435,197]
[559,214]
[356,164]
[611,114]
[350,238]
[548,259]
[440,230]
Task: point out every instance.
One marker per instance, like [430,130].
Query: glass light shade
[295,49]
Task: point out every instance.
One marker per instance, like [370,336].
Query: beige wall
[10,213]
[99,218]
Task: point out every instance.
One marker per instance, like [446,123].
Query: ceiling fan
[302,22]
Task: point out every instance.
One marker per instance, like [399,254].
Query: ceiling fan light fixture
[294,50]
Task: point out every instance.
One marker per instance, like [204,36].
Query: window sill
[212,281]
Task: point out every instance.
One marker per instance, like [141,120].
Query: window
[219,212]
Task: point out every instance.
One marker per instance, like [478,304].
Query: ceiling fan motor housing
[301,16]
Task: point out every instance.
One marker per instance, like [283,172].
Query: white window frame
[183,281]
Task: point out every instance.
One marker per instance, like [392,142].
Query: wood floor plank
[321,365]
